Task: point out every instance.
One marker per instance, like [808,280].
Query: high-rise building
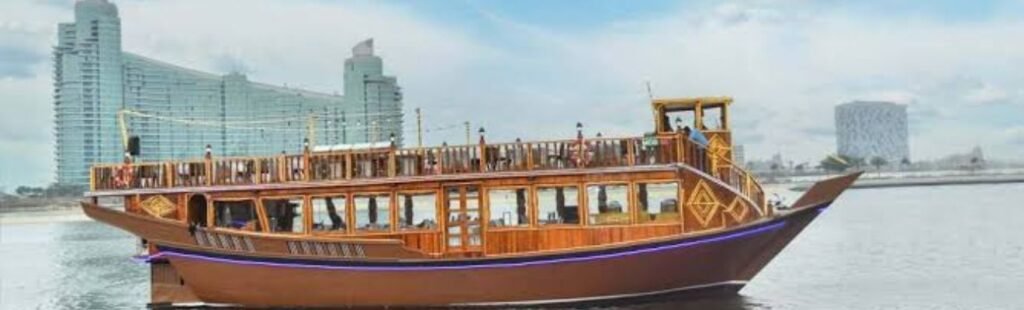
[176,111]
[88,85]
[739,155]
[869,129]
[373,98]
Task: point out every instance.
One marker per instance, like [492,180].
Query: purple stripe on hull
[169,252]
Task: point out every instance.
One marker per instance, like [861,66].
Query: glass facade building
[868,129]
[176,111]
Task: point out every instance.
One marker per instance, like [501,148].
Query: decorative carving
[158,206]
[718,149]
[737,210]
[703,203]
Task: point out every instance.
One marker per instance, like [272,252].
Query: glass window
[608,204]
[373,212]
[508,208]
[417,211]
[659,202]
[455,219]
[712,119]
[236,215]
[284,215]
[558,205]
[329,213]
[473,221]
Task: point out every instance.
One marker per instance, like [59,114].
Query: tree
[26,191]
[834,164]
[878,162]
[855,162]
[64,190]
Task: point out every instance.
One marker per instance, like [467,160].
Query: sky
[532,69]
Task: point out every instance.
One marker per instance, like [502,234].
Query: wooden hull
[727,259]
[723,259]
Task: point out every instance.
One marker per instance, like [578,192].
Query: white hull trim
[600,298]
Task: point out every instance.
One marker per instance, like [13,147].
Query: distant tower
[373,100]
[739,155]
[88,90]
[866,129]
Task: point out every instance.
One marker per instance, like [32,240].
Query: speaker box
[133,145]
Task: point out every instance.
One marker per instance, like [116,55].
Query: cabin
[477,200]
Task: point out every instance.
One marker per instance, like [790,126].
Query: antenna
[419,128]
[649,94]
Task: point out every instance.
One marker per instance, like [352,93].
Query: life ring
[580,153]
[123,176]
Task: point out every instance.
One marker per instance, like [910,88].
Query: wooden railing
[461,159]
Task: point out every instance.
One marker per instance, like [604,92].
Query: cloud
[23,47]
[987,94]
[18,62]
[1014,135]
[786,63]
[787,66]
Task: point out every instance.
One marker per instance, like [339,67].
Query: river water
[945,247]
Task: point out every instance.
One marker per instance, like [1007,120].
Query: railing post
[482,165]
[282,168]
[92,178]
[348,165]
[169,174]
[529,157]
[208,164]
[392,164]
[305,161]
[258,170]
[442,153]
[680,158]
[631,152]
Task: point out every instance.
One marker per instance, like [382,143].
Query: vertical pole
[92,178]
[529,156]
[258,167]
[630,152]
[468,141]
[310,129]
[419,128]
[169,174]
[208,161]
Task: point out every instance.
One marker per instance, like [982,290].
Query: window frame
[305,207]
[391,213]
[535,196]
[680,203]
[211,213]
[629,207]
[397,216]
[349,218]
[531,211]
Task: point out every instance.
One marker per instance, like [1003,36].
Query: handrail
[447,160]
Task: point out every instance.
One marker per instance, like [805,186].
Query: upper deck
[666,146]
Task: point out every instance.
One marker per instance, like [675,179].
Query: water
[956,247]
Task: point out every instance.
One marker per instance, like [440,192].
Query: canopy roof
[684,104]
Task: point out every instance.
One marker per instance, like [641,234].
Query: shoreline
[868,183]
[52,215]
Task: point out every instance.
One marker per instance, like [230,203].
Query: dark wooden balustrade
[447,160]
